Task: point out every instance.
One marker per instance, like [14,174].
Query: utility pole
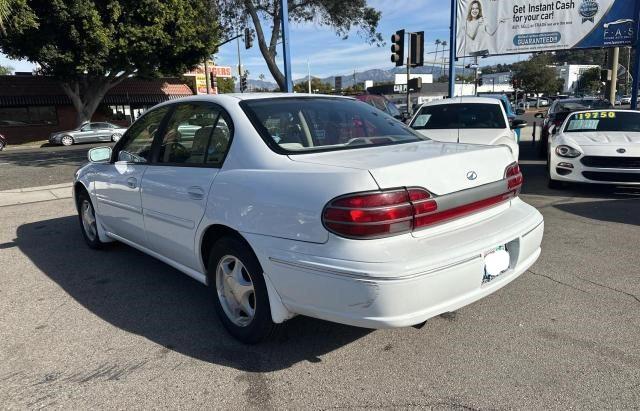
[614,55]
[626,84]
[239,64]
[408,77]
[475,76]
[452,49]
[206,75]
[286,55]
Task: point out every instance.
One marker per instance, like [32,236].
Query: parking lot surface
[118,329]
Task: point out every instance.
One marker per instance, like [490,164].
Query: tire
[88,226]
[66,140]
[115,137]
[228,279]
[2,145]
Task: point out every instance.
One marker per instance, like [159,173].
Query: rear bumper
[402,293]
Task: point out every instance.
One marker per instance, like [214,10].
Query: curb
[35,194]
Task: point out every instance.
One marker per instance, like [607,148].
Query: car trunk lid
[441,168]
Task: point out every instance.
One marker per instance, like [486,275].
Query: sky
[328,54]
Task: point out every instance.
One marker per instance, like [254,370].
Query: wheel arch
[77,188]
[214,232]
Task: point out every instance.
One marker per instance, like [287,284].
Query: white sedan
[472,120]
[596,146]
[321,206]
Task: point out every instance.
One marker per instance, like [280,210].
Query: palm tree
[436,56]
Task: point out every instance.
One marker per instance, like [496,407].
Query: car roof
[459,100]
[236,97]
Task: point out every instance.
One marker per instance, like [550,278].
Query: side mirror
[520,111]
[406,116]
[539,115]
[99,154]
[555,130]
[518,124]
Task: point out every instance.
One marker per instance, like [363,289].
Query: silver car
[88,133]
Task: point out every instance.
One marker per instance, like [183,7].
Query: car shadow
[616,211]
[142,295]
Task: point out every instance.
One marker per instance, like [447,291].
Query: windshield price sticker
[596,115]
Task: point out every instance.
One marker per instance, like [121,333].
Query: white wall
[402,78]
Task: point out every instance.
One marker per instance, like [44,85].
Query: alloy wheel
[235,291]
[66,141]
[116,137]
[88,220]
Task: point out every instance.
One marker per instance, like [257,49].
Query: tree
[226,85]
[536,76]
[589,82]
[339,15]
[91,46]
[5,11]
[316,84]
[5,70]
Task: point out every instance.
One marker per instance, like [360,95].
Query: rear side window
[196,134]
[319,124]
[463,115]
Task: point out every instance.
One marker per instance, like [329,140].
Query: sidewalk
[35,194]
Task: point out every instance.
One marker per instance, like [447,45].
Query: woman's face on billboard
[475,10]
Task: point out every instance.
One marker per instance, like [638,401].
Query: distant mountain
[377,75]
[381,76]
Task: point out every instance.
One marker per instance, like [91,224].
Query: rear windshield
[462,115]
[575,105]
[603,121]
[295,125]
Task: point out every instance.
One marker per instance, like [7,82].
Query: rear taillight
[514,177]
[398,211]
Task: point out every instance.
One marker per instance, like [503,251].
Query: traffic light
[248,38]
[417,49]
[605,75]
[480,82]
[243,84]
[397,48]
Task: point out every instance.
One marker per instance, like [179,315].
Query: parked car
[380,102]
[626,100]
[508,109]
[596,146]
[88,133]
[3,142]
[313,205]
[558,112]
[471,120]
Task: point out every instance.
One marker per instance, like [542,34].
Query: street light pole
[286,55]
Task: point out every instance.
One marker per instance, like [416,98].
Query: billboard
[199,77]
[494,27]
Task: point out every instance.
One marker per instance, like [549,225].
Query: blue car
[511,115]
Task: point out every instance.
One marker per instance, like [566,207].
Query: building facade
[33,107]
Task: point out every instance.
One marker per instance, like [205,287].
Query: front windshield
[594,121]
[319,124]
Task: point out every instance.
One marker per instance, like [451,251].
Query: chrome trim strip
[180,222]
[116,204]
[533,229]
[359,276]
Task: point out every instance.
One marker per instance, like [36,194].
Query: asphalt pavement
[118,329]
[41,166]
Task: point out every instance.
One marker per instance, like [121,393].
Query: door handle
[132,182]
[195,192]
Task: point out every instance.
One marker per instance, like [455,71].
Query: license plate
[496,262]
